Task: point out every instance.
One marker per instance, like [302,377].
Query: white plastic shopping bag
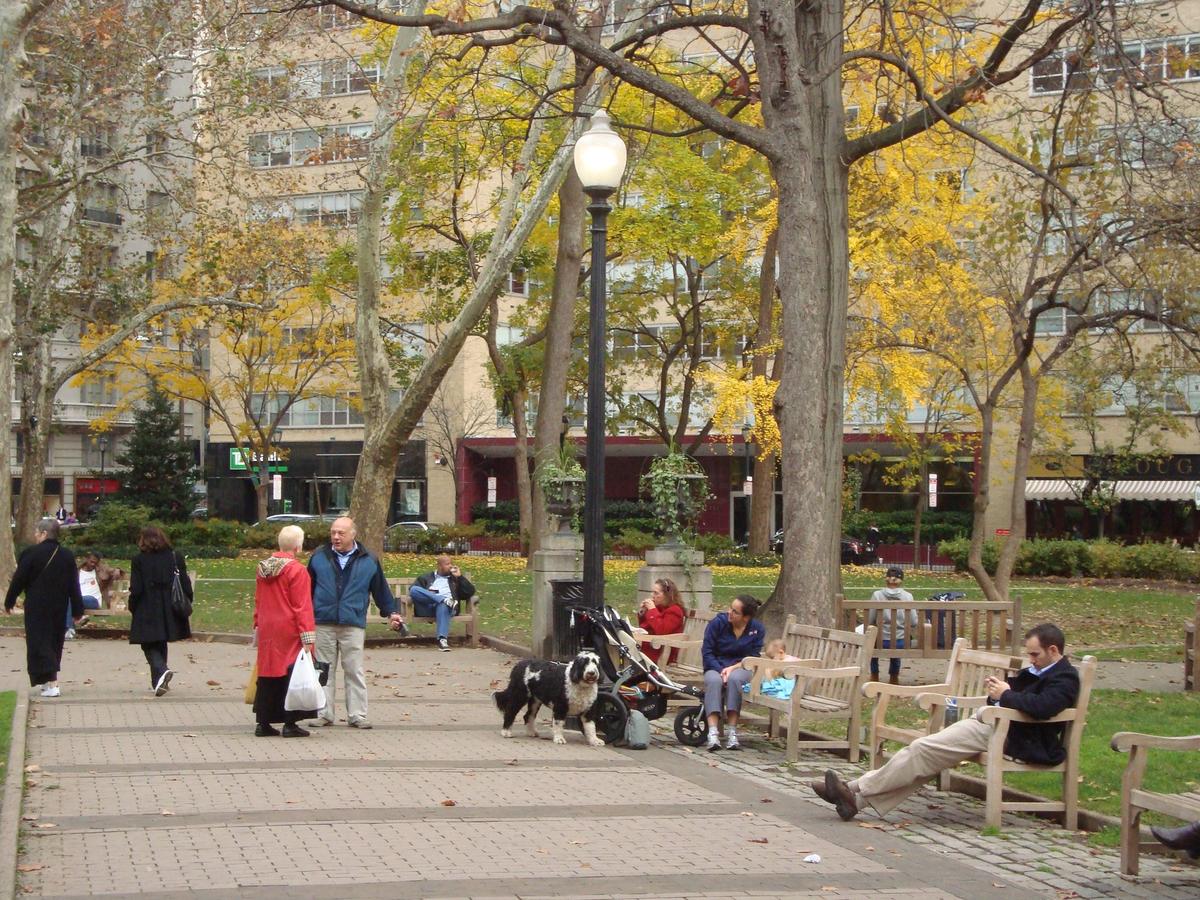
[304,691]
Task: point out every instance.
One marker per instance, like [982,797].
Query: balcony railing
[81,413]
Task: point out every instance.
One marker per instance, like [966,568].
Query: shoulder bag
[180,603]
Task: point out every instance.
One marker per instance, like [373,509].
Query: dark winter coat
[460,586]
[150,577]
[46,573]
[1042,697]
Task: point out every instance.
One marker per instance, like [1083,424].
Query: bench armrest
[993,714]
[753,663]
[929,700]
[669,640]
[1124,741]
[796,670]
[878,688]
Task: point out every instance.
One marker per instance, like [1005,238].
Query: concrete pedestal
[561,557]
[683,566]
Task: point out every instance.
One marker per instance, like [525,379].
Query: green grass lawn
[1114,623]
[8,702]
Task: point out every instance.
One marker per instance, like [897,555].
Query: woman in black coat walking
[155,622]
[46,573]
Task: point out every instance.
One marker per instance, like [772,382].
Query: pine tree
[157,468]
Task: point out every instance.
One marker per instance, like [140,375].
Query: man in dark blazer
[1048,686]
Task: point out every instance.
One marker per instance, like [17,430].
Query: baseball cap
[895,572]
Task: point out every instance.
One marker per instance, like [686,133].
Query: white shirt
[440,586]
[89,585]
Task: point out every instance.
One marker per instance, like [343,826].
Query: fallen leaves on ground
[449,803]
[759,841]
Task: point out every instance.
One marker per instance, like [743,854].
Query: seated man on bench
[1049,686]
[438,594]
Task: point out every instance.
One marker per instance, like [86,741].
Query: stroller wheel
[610,716]
[690,727]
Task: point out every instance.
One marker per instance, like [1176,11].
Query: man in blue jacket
[344,579]
[1047,687]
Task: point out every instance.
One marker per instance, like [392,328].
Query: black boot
[262,729]
[1185,837]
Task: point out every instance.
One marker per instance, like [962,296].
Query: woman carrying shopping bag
[283,622]
[156,619]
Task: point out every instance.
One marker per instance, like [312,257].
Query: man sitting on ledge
[1042,691]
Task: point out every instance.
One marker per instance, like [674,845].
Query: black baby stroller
[631,679]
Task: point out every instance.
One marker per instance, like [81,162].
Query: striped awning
[1070,488]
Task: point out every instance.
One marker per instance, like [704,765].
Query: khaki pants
[345,641]
[886,788]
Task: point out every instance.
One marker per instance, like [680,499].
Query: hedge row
[1095,559]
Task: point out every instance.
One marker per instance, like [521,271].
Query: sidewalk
[174,796]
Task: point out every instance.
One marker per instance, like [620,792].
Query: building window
[156,142]
[334,210]
[101,204]
[1169,59]
[97,141]
[308,146]
[517,283]
[99,391]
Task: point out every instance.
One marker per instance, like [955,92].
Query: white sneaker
[731,741]
[51,691]
[713,742]
[443,645]
[70,635]
[164,683]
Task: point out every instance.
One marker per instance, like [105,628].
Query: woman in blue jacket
[728,639]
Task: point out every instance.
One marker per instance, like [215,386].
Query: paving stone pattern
[135,796]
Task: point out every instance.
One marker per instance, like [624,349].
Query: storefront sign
[104,487]
[1181,467]
[237,461]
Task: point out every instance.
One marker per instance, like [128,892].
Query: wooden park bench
[829,674]
[469,616]
[118,597]
[984,624]
[1191,631]
[965,676]
[1135,800]
[688,666]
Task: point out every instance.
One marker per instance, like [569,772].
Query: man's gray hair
[49,527]
[291,537]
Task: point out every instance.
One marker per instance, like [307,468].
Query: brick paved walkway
[137,796]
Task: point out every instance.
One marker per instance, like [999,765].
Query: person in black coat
[155,623]
[46,573]
[1047,687]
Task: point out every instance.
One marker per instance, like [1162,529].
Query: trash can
[566,594]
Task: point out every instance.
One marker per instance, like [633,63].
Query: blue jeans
[88,603]
[427,603]
[893,663]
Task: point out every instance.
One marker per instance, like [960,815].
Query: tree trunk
[762,500]
[15,21]
[922,502]
[1020,471]
[987,438]
[37,404]
[520,400]
[261,495]
[804,117]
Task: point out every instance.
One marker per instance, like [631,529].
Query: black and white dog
[569,689]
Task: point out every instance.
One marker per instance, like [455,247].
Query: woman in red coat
[283,620]
[661,613]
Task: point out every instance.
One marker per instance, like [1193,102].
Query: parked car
[853,552]
[289,519]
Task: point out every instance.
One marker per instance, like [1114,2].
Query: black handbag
[322,668]
[180,604]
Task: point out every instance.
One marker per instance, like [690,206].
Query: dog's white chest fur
[580,697]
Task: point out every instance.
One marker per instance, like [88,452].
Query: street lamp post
[600,163]
[103,445]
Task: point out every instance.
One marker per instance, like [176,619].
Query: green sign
[237,461]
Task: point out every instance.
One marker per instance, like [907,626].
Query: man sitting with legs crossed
[439,594]
[1042,691]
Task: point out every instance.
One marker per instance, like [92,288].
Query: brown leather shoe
[847,808]
[1185,837]
[819,788]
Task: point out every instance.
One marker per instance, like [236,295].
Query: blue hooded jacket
[341,596]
